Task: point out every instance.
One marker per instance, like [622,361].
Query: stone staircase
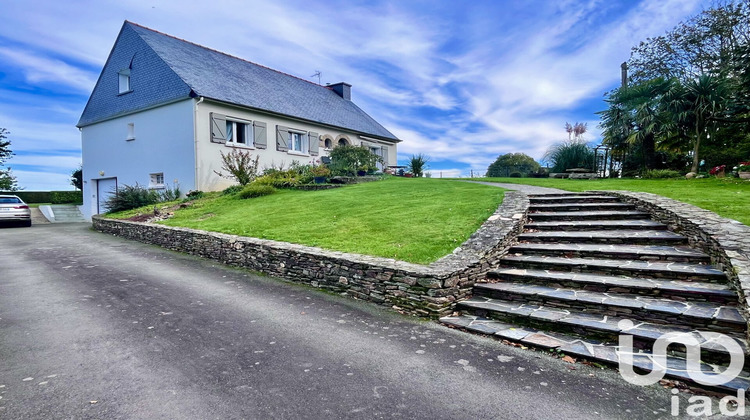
[589,268]
[62,213]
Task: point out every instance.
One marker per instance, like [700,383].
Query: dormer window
[124,81]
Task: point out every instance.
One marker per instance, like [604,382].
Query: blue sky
[459,81]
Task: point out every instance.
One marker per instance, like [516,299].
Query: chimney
[342,89]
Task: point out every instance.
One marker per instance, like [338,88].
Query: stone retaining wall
[727,241]
[410,288]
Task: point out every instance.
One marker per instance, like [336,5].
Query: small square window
[156,180]
[124,81]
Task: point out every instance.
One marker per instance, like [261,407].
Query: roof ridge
[228,55]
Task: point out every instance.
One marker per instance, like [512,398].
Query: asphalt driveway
[93,326]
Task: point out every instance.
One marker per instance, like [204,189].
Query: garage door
[104,188]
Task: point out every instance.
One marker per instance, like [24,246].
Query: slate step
[673,289]
[650,269]
[569,194]
[578,198]
[578,206]
[651,237]
[604,352]
[597,225]
[630,252]
[589,215]
[706,315]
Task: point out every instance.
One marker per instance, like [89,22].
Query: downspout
[195,141]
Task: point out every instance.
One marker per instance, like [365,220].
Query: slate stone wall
[410,288]
[727,241]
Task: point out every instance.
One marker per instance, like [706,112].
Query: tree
[512,163]
[697,103]
[7,180]
[76,178]
[417,164]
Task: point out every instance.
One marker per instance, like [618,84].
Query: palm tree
[696,104]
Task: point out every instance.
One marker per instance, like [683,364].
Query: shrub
[239,165]
[661,174]
[516,175]
[417,164]
[256,190]
[234,189]
[570,154]
[169,194]
[348,160]
[286,179]
[194,194]
[66,197]
[130,197]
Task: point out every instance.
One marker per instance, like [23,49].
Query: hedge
[54,197]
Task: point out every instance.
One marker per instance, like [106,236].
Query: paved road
[93,326]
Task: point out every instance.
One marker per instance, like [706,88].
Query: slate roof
[214,75]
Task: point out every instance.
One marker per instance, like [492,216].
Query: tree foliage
[7,180]
[688,93]
[76,178]
[512,163]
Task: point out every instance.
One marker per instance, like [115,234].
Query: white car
[13,209]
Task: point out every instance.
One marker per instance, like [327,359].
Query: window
[156,180]
[297,142]
[343,142]
[124,81]
[328,144]
[239,133]
[131,132]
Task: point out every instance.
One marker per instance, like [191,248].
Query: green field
[728,197]
[415,220]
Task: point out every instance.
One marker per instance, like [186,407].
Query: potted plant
[743,169]
[320,173]
[718,171]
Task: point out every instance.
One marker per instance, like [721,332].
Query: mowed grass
[414,220]
[728,197]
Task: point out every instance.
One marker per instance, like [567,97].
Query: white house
[164,109]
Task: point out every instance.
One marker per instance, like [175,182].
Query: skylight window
[124,81]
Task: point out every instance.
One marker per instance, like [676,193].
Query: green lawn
[729,197]
[415,220]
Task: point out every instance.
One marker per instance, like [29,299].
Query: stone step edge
[610,281]
[576,225]
[592,264]
[607,234]
[592,215]
[608,356]
[622,303]
[559,206]
[639,251]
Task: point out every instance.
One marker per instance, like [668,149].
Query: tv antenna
[317,73]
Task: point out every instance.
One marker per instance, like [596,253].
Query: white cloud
[39,70]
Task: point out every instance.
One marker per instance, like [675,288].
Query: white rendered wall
[164,143]
[209,154]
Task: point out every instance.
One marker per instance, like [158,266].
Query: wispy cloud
[44,71]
